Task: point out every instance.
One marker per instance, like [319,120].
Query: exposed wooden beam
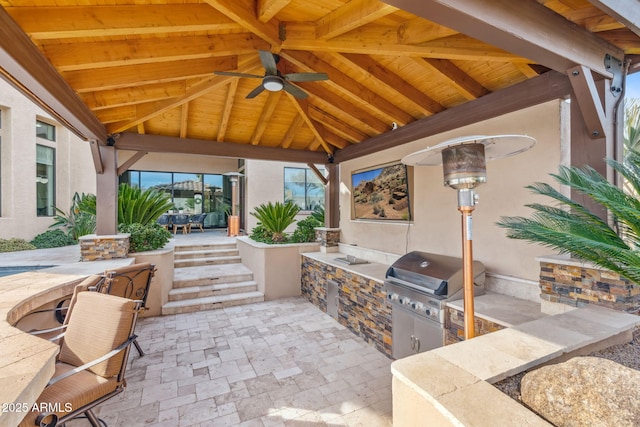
[115,53]
[302,107]
[318,174]
[336,125]
[105,99]
[549,86]
[243,12]
[418,30]
[588,99]
[525,27]
[168,144]
[265,116]
[143,74]
[425,104]
[383,40]
[27,69]
[131,161]
[622,11]
[461,81]
[226,111]
[294,127]
[96,156]
[194,92]
[267,9]
[44,23]
[351,15]
[365,96]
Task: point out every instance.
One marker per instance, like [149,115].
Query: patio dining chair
[132,282]
[181,221]
[165,221]
[92,361]
[198,221]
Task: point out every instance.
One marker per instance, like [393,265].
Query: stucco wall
[265,183]
[436,224]
[18,168]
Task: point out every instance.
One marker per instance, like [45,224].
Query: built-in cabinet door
[413,334]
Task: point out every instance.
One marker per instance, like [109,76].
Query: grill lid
[432,273]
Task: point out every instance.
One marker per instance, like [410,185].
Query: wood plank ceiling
[146,66]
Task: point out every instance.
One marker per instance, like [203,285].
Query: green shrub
[136,206]
[305,231]
[276,217]
[78,222]
[260,234]
[53,239]
[14,245]
[145,237]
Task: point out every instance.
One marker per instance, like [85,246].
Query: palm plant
[571,228]
[136,206]
[78,222]
[632,125]
[276,217]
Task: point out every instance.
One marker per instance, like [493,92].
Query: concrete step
[206,253]
[185,277]
[195,262]
[211,303]
[181,294]
[204,246]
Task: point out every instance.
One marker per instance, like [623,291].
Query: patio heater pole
[466,201]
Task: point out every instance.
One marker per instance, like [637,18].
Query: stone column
[100,248]
[328,238]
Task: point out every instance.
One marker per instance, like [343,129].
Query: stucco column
[107,193]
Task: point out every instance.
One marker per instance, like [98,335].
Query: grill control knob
[392,296]
[417,306]
[427,312]
[404,300]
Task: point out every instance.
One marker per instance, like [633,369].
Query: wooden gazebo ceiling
[145,67]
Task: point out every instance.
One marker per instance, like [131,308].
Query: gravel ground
[624,354]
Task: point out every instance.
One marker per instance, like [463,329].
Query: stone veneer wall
[362,305]
[454,326]
[579,286]
[100,248]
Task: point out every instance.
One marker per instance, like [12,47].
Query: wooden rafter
[621,12]
[295,125]
[131,161]
[351,16]
[463,83]
[265,116]
[267,9]
[226,111]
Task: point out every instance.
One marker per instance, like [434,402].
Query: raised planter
[276,268]
[162,281]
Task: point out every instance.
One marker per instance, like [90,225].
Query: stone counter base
[362,305]
[454,326]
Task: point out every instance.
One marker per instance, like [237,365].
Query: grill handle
[410,285]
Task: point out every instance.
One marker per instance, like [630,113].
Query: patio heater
[464,166]
[234,219]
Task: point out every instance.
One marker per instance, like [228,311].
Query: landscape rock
[584,391]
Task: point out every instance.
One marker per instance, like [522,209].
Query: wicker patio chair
[165,221]
[197,221]
[92,361]
[181,221]
[131,282]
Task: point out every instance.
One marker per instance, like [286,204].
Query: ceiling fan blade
[295,90]
[269,62]
[233,74]
[257,91]
[306,77]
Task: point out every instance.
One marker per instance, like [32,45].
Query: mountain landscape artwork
[381,193]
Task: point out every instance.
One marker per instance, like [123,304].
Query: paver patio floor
[278,363]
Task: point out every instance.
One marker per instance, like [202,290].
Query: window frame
[307,202]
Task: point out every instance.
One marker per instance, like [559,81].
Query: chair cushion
[91,281]
[72,393]
[98,324]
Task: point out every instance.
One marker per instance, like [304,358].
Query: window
[0,162]
[45,131]
[303,187]
[45,180]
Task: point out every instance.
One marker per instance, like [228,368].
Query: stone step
[205,246]
[181,294]
[205,275]
[206,253]
[195,262]
[211,303]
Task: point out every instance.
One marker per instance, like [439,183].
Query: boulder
[584,391]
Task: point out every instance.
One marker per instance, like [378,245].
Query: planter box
[162,281]
[276,268]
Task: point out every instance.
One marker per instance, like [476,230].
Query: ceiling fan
[274,81]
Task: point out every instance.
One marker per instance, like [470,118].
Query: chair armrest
[100,359]
[46,331]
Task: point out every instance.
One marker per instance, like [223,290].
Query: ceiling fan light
[273,83]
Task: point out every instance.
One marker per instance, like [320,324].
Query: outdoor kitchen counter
[372,270]
[26,361]
[502,309]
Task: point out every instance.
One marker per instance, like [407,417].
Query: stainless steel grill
[418,285]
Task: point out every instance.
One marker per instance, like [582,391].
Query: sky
[633,86]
